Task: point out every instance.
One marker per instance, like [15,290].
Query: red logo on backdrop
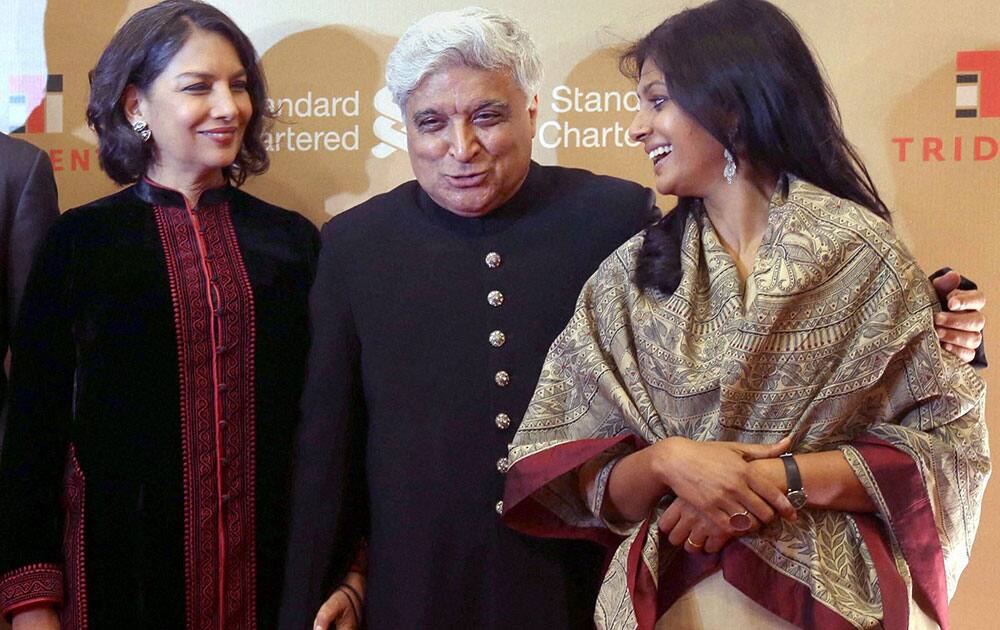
[977,93]
[45,117]
[47,91]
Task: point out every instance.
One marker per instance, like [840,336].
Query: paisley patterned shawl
[830,340]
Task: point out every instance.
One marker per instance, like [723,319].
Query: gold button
[495,298]
[503,464]
[502,378]
[493,260]
[499,507]
[497,338]
[502,420]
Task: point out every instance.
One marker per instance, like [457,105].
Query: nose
[640,127]
[464,142]
[224,104]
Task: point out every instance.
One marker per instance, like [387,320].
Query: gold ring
[741,521]
[694,544]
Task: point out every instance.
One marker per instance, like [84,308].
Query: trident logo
[385,126]
[977,94]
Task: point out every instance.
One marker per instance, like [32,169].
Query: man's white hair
[472,37]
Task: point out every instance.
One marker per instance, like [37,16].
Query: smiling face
[469,135]
[197,110]
[687,160]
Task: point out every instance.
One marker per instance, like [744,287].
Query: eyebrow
[481,105]
[645,87]
[208,75]
[428,111]
[492,103]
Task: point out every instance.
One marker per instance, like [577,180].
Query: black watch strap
[796,493]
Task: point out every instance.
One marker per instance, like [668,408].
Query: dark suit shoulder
[370,217]
[609,197]
[18,153]
[589,181]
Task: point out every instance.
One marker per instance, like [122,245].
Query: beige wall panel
[891,63]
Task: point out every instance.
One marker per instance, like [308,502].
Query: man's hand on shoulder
[960,328]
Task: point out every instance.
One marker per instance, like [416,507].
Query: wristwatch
[796,493]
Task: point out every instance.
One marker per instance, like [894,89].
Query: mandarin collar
[158,195]
[497,220]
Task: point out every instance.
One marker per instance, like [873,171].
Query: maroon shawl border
[532,473]
[911,518]
[909,512]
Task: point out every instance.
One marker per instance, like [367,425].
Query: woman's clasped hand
[715,483]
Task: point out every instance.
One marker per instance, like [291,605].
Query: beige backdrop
[891,63]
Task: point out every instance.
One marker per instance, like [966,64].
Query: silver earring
[730,171]
[142,130]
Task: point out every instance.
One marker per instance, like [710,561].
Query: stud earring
[142,130]
[730,171]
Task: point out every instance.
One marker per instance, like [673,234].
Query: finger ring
[741,521]
[694,544]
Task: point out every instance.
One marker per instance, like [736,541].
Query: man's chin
[467,205]
[470,213]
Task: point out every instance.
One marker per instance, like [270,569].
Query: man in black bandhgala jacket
[433,307]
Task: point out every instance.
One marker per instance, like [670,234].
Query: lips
[660,152]
[221,135]
[466,181]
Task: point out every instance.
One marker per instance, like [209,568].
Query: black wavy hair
[136,55]
[744,61]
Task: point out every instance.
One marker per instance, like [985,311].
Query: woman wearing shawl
[799,323]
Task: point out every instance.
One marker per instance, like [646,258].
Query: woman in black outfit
[159,362]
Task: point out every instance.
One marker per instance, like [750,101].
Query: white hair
[472,37]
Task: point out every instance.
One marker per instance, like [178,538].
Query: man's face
[469,135]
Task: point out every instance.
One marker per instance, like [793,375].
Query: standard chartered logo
[387,126]
[315,122]
[608,109]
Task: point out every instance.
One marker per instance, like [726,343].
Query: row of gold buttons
[497,339]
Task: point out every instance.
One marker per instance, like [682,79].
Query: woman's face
[687,160]
[197,109]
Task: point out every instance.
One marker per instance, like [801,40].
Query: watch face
[797,498]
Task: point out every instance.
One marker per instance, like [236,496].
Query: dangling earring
[730,171]
[142,130]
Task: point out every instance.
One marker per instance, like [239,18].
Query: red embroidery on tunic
[43,583]
[31,584]
[214,319]
[74,612]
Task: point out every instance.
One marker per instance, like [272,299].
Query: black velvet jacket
[426,350]
[157,372]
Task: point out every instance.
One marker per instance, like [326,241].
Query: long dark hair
[744,61]
[136,55]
